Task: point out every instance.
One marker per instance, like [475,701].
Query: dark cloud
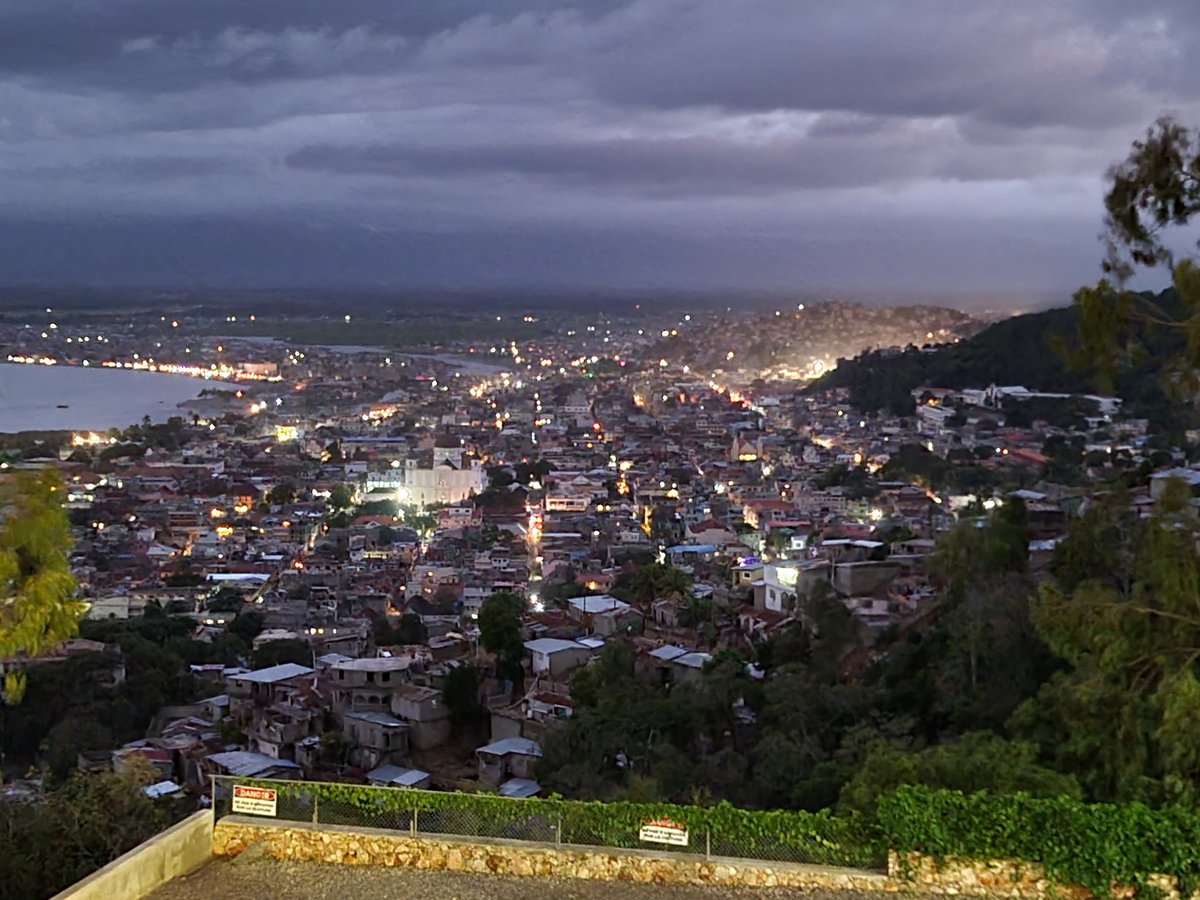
[830,157]
[665,142]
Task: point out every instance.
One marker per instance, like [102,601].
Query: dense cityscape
[323,516]
[668,556]
[665,449]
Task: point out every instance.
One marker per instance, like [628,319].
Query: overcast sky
[854,145]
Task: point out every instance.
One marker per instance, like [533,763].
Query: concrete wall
[180,849]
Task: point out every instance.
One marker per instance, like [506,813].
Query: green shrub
[1093,845]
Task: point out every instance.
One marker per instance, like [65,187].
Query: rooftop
[396,775]
[600,603]
[552,645]
[377,718]
[512,745]
[374,664]
[248,763]
[668,652]
[309,881]
[275,674]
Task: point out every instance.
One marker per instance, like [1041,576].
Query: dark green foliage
[339,495]
[1038,350]
[274,653]
[83,825]
[1001,354]
[376,508]
[73,703]
[1123,713]
[501,632]
[675,742]
[246,626]
[1096,846]
[978,761]
[409,630]
[775,834]
[39,607]
[226,600]
[651,581]
[1156,186]
[70,736]
[461,694]
[282,494]
[1097,547]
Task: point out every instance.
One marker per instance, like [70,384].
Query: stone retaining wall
[1001,878]
[366,846]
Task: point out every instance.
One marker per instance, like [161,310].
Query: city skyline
[646,145]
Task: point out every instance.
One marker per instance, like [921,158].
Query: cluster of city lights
[91,439]
[218,372]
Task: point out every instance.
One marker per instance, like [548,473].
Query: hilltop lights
[91,439]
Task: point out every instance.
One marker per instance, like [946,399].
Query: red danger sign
[254,800]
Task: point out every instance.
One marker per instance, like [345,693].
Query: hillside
[782,343]
[1025,349]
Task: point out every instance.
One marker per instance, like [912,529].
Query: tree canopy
[501,632]
[37,609]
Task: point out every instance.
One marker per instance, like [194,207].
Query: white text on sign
[254,800]
[663,831]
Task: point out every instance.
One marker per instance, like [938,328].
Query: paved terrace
[281,880]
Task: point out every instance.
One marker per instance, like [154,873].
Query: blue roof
[692,548]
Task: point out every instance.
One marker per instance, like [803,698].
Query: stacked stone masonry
[912,874]
[384,848]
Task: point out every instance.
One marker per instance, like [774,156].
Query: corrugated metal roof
[668,652]
[520,745]
[388,774]
[552,645]
[248,762]
[519,787]
[378,718]
[275,674]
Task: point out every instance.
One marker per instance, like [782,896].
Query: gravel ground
[264,878]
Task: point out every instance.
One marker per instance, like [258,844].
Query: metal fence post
[412,823]
[708,843]
[316,799]
[558,833]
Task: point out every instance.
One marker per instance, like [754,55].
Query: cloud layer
[864,145]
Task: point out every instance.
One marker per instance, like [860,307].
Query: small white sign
[254,800]
[663,831]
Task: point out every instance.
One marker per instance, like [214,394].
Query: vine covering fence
[715,831]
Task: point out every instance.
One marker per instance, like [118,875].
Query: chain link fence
[749,835]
